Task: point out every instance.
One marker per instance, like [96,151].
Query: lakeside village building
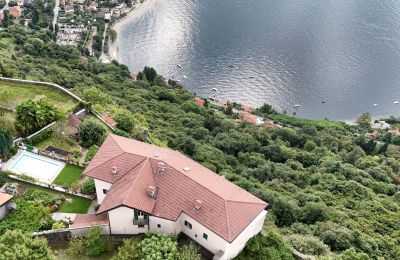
[144,188]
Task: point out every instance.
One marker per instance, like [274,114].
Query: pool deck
[44,179]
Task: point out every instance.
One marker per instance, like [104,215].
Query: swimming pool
[39,167]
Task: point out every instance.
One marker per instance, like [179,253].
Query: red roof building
[247,117]
[272,124]
[223,102]
[247,108]
[15,11]
[158,189]
[199,101]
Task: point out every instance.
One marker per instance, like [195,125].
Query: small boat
[230,66]
[297,105]
[323,102]
[251,77]
[184,76]
[375,105]
[178,80]
[396,102]
[178,65]
[214,89]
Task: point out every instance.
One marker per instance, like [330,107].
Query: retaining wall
[80,232]
[45,84]
[54,236]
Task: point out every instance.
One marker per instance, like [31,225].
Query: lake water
[281,52]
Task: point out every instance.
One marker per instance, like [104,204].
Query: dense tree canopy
[331,191]
[14,244]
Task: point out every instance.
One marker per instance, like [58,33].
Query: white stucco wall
[255,227]
[121,222]
[214,243]
[167,226]
[100,185]
[3,211]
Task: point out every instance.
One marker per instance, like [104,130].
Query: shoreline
[134,14]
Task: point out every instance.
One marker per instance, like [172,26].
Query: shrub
[129,250]
[91,132]
[159,247]
[92,150]
[6,142]
[124,121]
[269,247]
[76,247]
[95,244]
[88,187]
[308,244]
[59,225]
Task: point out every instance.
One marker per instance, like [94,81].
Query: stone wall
[54,236]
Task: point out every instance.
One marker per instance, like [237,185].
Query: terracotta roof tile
[199,101]
[4,198]
[226,209]
[247,117]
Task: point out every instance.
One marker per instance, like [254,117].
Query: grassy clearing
[58,142]
[22,92]
[68,175]
[73,204]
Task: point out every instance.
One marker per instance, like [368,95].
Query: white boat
[396,102]
[178,65]
[184,76]
[297,105]
[375,105]
[214,89]
[178,80]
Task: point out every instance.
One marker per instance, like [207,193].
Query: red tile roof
[199,101]
[271,124]
[223,102]
[250,118]
[226,208]
[88,220]
[247,108]
[109,120]
[74,121]
[4,198]
[15,11]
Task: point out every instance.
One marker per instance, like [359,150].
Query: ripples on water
[282,52]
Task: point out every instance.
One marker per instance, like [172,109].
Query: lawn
[73,204]
[68,175]
[58,142]
[78,205]
[21,92]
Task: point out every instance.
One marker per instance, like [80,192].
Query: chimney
[160,168]
[152,192]
[197,204]
[114,170]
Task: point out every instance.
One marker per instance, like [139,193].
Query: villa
[144,188]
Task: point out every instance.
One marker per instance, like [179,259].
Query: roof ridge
[246,202]
[122,152]
[227,220]
[134,182]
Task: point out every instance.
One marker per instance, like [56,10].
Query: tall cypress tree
[6,141]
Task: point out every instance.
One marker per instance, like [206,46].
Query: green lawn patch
[78,205]
[22,92]
[68,175]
